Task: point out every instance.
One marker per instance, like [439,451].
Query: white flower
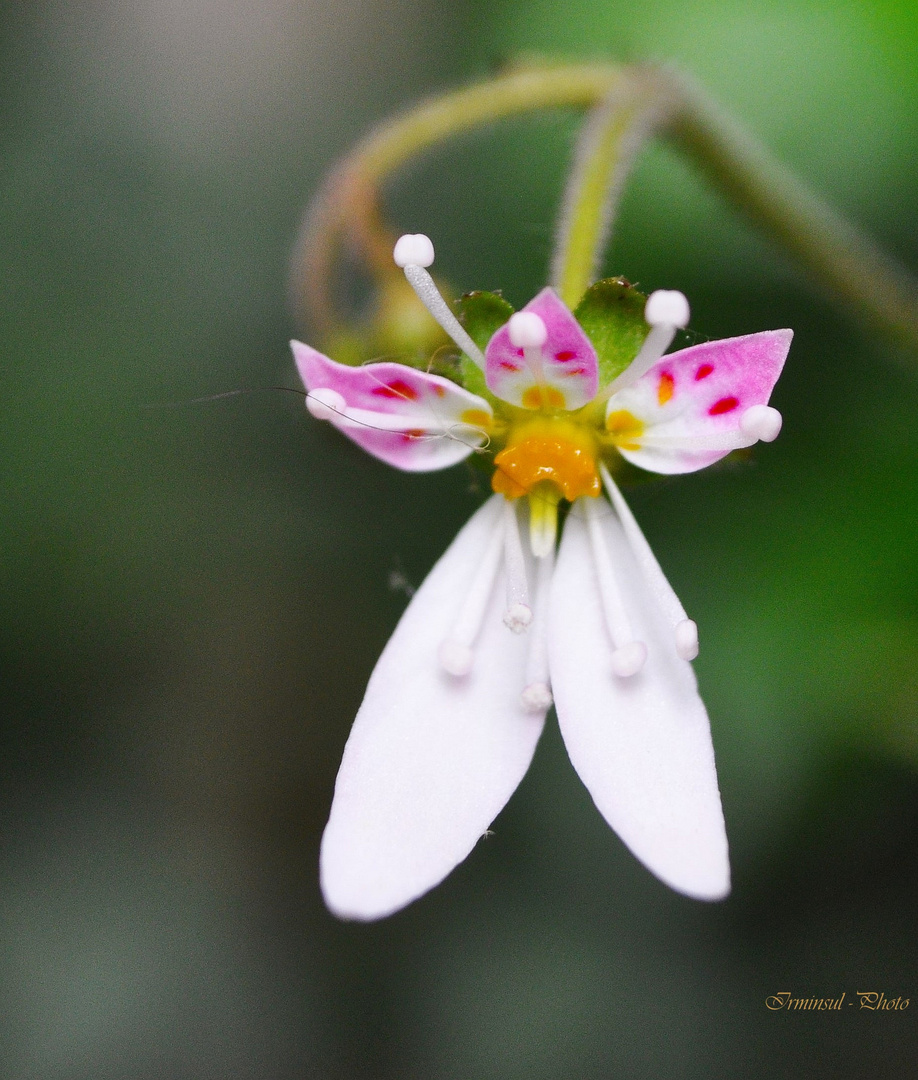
[500,628]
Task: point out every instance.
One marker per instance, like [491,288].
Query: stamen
[666,311]
[685,631]
[413,249]
[527,331]
[413,253]
[543,518]
[455,652]
[536,697]
[629,655]
[518,614]
[761,422]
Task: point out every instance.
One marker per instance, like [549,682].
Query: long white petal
[642,745]
[432,758]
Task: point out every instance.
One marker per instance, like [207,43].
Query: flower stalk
[627,106]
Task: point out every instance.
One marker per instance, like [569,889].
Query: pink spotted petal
[569,375]
[690,403]
[407,418]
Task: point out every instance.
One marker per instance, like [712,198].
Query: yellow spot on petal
[476,418]
[665,389]
[625,428]
[542,397]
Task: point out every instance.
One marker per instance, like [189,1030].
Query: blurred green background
[194,596]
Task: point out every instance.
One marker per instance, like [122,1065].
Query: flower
[501,627]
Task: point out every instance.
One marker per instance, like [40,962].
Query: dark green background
[193,597]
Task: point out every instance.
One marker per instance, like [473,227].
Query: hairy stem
[610,141]
[633,103]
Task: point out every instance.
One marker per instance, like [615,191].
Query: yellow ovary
[547,452]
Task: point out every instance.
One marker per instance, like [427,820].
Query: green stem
[848,264]
[845,261]
[344,203]
[606,150]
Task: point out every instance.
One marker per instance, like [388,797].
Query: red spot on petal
[397,388]
[508,365]
[520,352]
[439,390]
[565,355]
[726,404]
[703,372]
[414,433]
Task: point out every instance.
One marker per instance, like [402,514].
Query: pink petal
[432,758]
[641,744]
[569,365]
[407,418]
[690,403]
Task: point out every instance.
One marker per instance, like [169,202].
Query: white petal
[642,744]
[432,758]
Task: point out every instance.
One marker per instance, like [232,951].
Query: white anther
[325,403]
[761,422]
[517,617]
[536,697]
[455,657]
[413,249]
[686,634]
[527,330]
[667,307]
[629,659]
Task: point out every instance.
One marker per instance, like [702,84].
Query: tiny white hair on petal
[527,330]
[667,307]
[761,422]
[324,403]
[413,249]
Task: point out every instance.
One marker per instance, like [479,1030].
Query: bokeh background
[193,596]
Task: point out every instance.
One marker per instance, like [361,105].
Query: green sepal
[482,314]
[611,313]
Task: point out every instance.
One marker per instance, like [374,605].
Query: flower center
[548,459]
[543,451]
